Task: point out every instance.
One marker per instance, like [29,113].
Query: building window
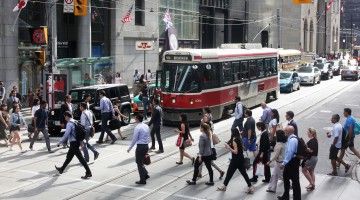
[140,12]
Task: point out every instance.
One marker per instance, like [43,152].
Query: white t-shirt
[273,123]
[34,109]
[118,80]
[337,132]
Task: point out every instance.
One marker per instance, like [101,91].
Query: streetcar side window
[261,69]
[253,69]
[227,73]
[244,70]
[237,71]
[210,78]
[273,67]
[268,67]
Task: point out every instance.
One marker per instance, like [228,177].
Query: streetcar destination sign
[178,57]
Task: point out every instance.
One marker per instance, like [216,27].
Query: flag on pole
[342,7]
[127,18]
[329,4]
[167,19]
[20,5]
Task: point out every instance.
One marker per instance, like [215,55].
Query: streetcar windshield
[182,78]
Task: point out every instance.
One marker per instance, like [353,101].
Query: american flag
[20,5]
[167,19]
[127,18]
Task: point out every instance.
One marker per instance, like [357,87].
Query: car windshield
[305,70]
[78,95]
[181,78]
[320,65]
[351,67]
[285,75]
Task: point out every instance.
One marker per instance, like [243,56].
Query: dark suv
[113,92]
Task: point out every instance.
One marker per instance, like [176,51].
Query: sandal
[311,188]
[332,174]
[179,163]
[347,168]
[222,188]
[123,138]
[222,173]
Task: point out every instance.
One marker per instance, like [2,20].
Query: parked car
[289,81]
[326,71]
[350,72]
[309,75]
[320,61]
[113,92]
[334,64]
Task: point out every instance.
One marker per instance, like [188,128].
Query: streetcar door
[158,78]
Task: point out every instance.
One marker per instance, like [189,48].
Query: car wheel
[356,78]
[291,89]
[298,88]
[127,113]
[319,81]
[314,82]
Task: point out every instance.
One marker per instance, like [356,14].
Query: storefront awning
[75,62]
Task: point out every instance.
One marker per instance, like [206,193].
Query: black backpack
[80,132]
[301,152]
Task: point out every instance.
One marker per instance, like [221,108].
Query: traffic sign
[68,6]
[144,45]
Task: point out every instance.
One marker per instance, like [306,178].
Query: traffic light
[80,7]
[41,57]
[39,35]
[303,1]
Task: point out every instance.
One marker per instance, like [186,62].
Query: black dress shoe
[253,179]
[191,182]
[159,151]
[209,183]
[147,177]
[99,142]
[152,148]
[282,198]
[141,182]
[113,141]
[96,155]
[86,176]
[59,169]
[266,181]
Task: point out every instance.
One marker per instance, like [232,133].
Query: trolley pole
[351,35]
[279,27]
[325,36]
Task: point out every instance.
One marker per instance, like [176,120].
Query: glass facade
[185,16]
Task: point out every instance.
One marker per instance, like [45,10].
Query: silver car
[309,75]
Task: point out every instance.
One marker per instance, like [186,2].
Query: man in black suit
[263,154]
[156,116]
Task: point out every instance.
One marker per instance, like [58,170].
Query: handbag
[179,141]
[114,124]
[30,128]
[188,143]
[215,139]
[147,160]
[247,163]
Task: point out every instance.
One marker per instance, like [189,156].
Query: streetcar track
[105,182]
[324,99]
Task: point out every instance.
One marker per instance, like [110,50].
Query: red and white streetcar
[193,79]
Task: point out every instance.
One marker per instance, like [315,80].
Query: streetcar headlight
[173,100]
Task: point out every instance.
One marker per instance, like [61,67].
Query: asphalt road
[31,175]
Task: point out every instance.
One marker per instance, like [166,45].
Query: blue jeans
[145,101]
[87,146]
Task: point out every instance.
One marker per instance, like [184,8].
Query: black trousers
[264,160]
[207,161]
[291,172]
[141,150]
[156,131]
[105,117]
[236,164]
[74,150]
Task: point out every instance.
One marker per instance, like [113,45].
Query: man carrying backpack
[291,165]
[75,140]
[348,136]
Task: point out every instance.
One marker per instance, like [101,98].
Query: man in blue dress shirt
[107,113]
[291,166]
[142,139]
[70,135]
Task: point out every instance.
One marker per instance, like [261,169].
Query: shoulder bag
[92,128]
